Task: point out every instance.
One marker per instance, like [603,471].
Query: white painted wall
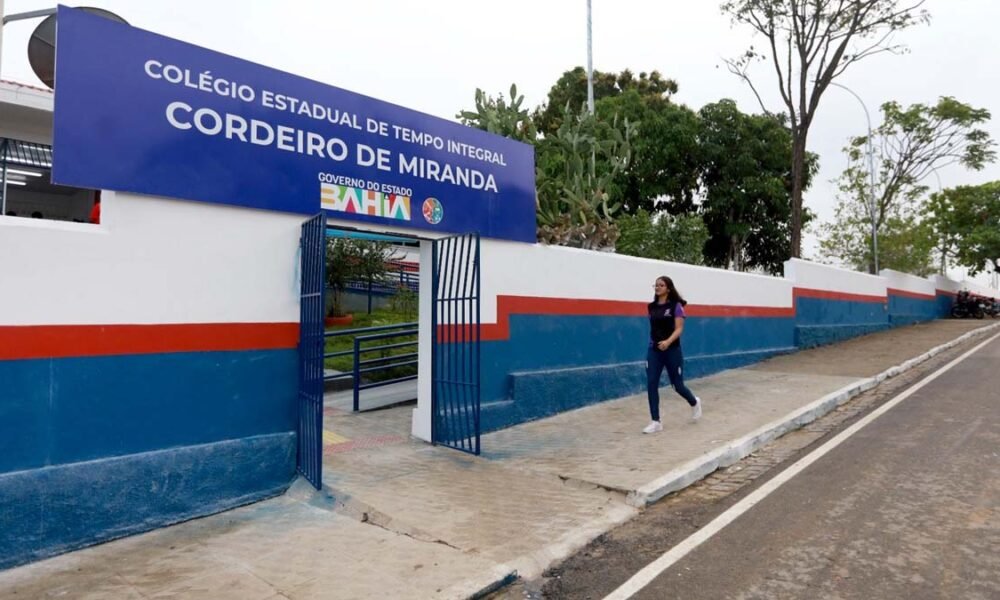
[25,113]
[978,288]
[556,272]
[151,261]
[809,275]
[908,283]
[945,284]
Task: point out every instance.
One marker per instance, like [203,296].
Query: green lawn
[376,319]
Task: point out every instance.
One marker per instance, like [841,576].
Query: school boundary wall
[149,369]
[912,299]
[563,328]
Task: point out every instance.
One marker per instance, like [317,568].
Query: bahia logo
[433,211]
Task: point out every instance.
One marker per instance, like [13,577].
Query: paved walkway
[401,518]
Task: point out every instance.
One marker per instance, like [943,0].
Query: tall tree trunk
[798,186]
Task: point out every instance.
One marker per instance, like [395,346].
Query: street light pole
[872,208]
[1,33]
[590,62]
[944,243]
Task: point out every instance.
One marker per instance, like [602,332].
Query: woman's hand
[663,345]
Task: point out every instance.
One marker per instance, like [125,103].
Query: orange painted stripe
[534,305]
[947,293]
[739,311]
[909,294]
[828,295]
[63,341]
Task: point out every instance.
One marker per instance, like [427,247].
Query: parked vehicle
[968,306]
[993,307]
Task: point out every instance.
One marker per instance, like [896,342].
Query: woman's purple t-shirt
[662,321]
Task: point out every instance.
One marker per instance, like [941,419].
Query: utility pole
[872,204]
[590,61]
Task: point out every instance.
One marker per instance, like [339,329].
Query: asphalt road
[908,507]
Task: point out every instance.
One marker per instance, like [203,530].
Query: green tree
[746,184]
[663,172]
[970,217]
[937,213]
[809,44]
[571,91]
[576,168]
[910,144]
[677,238]
[349,260]
[905,243]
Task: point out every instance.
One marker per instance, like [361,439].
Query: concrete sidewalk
[401,518]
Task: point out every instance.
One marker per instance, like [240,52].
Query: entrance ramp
[375,398]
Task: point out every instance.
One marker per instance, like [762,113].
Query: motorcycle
[968,306]
[992,307]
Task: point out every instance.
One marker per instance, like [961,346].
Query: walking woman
[666,324]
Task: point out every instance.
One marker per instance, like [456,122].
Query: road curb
[533,564]
[731,452]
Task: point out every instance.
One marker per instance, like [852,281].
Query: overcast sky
[432,55]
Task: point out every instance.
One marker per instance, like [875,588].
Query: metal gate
[455,357]
[311,347]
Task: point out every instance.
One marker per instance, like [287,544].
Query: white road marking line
[657,567]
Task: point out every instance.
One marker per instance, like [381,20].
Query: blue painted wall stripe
[44,512]
[819,311]
[59,411]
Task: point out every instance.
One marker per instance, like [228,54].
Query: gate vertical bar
[435,361]
[463,318]
[454,405]
[464,325]
[454,351]
[477,273]
[456,344]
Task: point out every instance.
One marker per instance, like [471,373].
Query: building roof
[18,84]
[26,97]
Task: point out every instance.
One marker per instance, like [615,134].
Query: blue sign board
[139,112]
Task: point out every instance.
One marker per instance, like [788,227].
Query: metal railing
[25,154]
[398,274]
[361,367]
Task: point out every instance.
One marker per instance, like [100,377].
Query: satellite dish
[42,45]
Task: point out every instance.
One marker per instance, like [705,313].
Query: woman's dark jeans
[672,359]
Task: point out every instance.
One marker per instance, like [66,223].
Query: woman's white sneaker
[696,409]
[653,427]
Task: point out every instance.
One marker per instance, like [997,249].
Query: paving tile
[230,584]
[78,586]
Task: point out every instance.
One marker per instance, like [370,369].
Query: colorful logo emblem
[433,211]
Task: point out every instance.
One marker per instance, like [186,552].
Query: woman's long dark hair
[672,294]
